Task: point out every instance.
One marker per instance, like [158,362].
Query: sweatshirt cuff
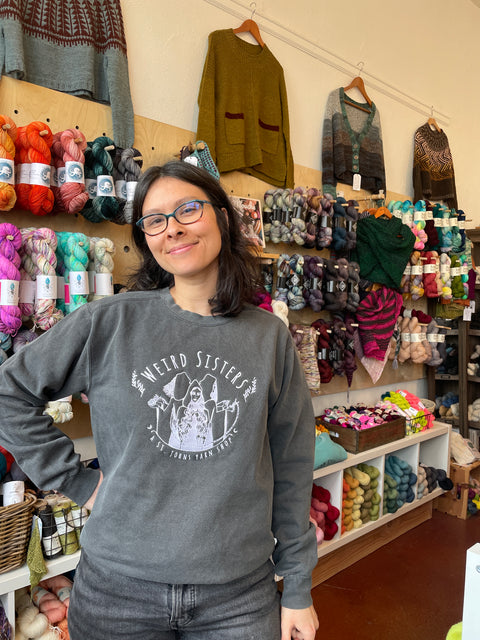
[297,592]
[80,487]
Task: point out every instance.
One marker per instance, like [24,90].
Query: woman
[181,538]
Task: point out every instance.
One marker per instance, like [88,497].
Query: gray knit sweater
[204,431]
[79,49]
[351,143]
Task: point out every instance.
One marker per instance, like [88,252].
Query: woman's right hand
[91,501]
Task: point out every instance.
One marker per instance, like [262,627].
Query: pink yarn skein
[74,194]
[10,261]
[57,163]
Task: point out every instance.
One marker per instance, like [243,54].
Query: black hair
[239,276]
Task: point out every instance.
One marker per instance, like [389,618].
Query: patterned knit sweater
[352,143]
[433,174]
[243,111]
[76,47]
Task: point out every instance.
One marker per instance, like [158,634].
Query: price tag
[357,182]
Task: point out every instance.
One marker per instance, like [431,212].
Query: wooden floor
[409,589]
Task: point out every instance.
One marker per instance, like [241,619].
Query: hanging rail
[335,61]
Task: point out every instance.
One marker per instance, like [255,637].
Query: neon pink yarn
[74,194]
[10,261]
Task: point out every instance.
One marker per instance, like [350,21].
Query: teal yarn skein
[104,204]
[75,248]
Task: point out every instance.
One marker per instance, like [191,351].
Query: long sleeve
[329,182]
[292,441]
[206,102]
[289,174]
[44,452]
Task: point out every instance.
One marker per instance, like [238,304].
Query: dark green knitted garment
[384,246]
[351,143]
[77,47]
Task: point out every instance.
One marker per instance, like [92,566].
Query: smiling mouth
[181,248]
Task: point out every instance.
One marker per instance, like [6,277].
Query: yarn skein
[105,204]
[8,134]
[130,169]
[73,193]
[74,247]
[58,173]
[295,299]
[22,168]
[40,245]
[103,252]
[10,262]
[39,141]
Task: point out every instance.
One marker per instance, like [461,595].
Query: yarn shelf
[430,447]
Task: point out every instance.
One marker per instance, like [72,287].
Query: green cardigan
[243,112]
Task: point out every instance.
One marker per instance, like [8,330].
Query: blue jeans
[115,607]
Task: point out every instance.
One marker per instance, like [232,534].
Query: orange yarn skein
[22,184]
[8,133]
[39,140]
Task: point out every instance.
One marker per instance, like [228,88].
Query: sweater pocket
[268,136]
[234,128]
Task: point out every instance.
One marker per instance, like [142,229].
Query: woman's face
[186,251]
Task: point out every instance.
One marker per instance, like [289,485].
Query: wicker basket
[15,529]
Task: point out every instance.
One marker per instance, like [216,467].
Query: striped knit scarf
[376,317]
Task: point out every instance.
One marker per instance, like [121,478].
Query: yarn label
[429,268]
[60,176]
[131,186]
[121,189]
[455,271]
[13,492]
[91,187]
[23,173]
[103,284]
[60,288]
[7,171]
[74,172]
[461,224]
[53,176]
[91,280]
[9,293]
[105,186]
[46,287]
[408,270]
[357,182]
[418,216]
[415,337]
[407,218]
[27,292]
[405,337]
[40,174]
[428,215]
[78,283]
[417,270]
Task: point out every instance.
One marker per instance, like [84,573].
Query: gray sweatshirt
[204,432]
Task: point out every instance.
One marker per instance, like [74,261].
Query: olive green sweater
[243,112]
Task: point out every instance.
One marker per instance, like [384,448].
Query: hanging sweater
[351,143]
[433,174]
[79,49]
[243,111]
[205,440]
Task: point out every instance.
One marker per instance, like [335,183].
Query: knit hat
[383,248]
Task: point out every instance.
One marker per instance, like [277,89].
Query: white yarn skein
[280,309]
[103,253]
[60,410]
[31,622]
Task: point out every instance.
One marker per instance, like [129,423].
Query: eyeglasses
[186,213]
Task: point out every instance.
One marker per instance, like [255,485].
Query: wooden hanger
[250,26]
[357,83]
[432,122]
[382,211]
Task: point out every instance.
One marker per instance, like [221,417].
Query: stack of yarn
[323,513]
[370,509]
[399,483]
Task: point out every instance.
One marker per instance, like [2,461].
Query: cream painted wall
[427,50]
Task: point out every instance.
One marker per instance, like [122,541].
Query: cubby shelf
[430,447]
